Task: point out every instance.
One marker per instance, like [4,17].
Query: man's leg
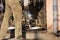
[4,26]
[17,14]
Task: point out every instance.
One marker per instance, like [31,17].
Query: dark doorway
[35,10]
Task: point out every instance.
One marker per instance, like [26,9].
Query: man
[12,6]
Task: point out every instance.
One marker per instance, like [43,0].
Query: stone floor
[41,35]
